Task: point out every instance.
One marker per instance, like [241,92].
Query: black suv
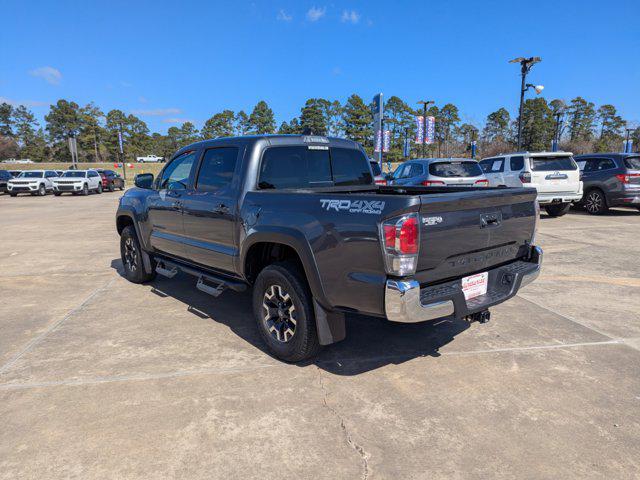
[610,180]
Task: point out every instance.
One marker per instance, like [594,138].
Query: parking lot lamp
[525,67]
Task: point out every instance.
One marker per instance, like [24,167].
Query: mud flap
[330,325]
[146,263]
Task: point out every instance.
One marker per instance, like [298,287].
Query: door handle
[221,208]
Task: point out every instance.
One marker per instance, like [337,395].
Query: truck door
[211,210]
[165,206]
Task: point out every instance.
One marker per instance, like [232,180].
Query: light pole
[556,134]
[525,68]
[627,146]
[425,104]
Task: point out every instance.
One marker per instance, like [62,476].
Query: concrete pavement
[100,378]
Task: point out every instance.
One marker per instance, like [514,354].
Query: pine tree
[611,125]
[537,125]
[220,125]
[312,117]
[358,121]
[62,121]
[241,123]
[582,117]
[261,120]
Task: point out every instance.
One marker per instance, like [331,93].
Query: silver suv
[440,172]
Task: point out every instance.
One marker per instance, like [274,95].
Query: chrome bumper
[402,297]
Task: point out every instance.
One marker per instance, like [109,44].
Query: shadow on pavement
[371,342]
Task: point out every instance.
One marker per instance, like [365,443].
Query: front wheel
[99,189]
[558,210]
[131,255]
[85,190]
[13,194]
[57,194]
[42,191]
[596,203]
[284,313]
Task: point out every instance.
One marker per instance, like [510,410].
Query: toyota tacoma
[301,221]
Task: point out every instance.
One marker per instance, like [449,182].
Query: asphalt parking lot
[100,378]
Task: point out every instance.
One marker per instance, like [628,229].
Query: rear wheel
[13,194]
[284,313]
[111,187]
[558,210]
[595,203]
[85,189]
[99,189]
[131,255]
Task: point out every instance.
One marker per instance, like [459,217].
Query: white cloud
[284,16]
[350,16]
[26,103]
[157,112]
[177,120]
[49,74]
[314,14]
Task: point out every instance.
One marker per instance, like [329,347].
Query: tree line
[583,127]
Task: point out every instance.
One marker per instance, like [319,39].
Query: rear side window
[632,163]
[455,169]
[415,170]
[492,165]
[516,163]
[303,167]
[375,168]
[549,164]
[217,168]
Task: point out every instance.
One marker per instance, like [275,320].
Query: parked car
[610,180]
[5,176]
[300,218]
[440,172]
[110,180]
[35,182]
[554,175]
[150,159]
[78,181]
[378,177]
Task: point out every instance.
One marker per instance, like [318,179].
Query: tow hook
[480,317]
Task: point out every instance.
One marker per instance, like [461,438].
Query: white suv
[78,181]
[555,175]
[35,182]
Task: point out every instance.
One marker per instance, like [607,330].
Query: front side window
[550,164]
[176,175]
[217,168]
[415,170]
[399,172]
[455,169]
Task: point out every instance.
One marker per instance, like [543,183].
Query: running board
[209,283]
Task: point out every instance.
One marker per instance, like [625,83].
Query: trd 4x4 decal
[372,207]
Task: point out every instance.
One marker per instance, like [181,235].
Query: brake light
[431,183]
[401,242]
[482,183]
[525,177]
[381,182]
[626,178]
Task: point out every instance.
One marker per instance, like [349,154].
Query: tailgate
[554,174]
[470,231]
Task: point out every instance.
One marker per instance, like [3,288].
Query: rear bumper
[406,302]
[625,199]
[560,197]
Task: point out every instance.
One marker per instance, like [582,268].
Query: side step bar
[208,283]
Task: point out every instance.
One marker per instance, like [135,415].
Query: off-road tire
[303,344]
[558,210]
[133,267]
[595,203]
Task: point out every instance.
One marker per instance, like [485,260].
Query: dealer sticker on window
[475,285]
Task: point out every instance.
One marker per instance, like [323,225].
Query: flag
[419,128]
[431,130]
[386,141]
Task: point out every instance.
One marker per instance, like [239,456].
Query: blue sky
[173,61]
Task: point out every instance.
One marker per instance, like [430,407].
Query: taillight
[525,177]
[431,183]
[401,242]
[626,177]
[482,183]
[381,182]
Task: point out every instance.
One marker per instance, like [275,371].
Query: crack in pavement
[349,439]
[53,327]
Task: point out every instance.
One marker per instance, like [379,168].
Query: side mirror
[144,180]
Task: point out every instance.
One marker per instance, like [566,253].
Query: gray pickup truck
[301,220]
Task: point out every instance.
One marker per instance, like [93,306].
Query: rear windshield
[73,174]
[455,169]
[308,167]
[31,175]
[550,164]
[376,168]
[632,163]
